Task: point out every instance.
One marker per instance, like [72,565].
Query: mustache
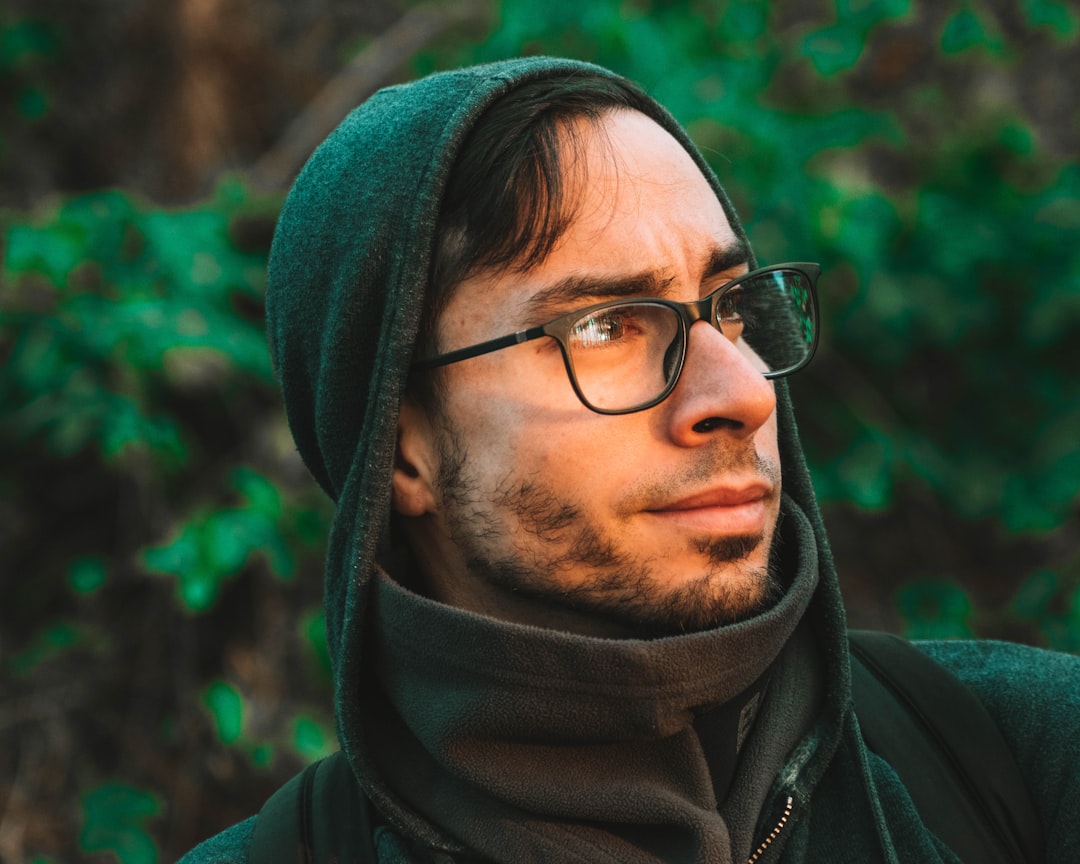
[709,465]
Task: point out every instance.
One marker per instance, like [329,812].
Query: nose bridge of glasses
[693,311]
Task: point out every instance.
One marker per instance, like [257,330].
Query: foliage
[112,821]
[165,542]
[146,469]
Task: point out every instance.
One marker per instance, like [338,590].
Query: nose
[720,391]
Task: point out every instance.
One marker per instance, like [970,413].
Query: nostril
[711,423]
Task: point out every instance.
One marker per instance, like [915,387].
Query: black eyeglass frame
[689,313]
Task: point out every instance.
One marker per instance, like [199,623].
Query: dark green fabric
[1034,696]
[229,847]
[348,272]
[320,815]
[484,726]
[283,829]
[1031,693]
[947,750]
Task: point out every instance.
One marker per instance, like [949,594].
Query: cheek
[487,422]
[768,448]
[510,398]
[518,435]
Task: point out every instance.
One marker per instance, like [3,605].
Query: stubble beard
[617,586]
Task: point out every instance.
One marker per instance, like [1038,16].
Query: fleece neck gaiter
[531,744]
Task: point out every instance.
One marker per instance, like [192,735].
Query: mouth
[722,510]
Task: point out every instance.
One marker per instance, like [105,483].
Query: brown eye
[602,328]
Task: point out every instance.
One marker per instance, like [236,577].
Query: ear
[415,462]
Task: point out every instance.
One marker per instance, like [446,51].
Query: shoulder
[1032,693]
[1034,696]
[1013,679]
[319,814]
[229,847]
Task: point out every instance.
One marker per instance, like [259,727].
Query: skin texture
[522,504]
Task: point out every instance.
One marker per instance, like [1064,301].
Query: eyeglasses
[626,355]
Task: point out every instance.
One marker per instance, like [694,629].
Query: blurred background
[162,657]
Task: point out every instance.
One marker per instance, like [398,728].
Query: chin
[718,597]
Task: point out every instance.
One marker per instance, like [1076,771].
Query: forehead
[640,206]
[645,202]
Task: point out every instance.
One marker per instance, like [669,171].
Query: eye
[604,327]
[729,308]
[729,315]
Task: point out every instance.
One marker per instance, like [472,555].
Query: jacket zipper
[767,842]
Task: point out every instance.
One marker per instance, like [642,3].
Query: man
[579,596]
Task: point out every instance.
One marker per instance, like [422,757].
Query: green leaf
[1055,15]
[964,30]
[311,740]
[226,705]
[199,591]
[86,575]
[53,251]
[262,755]
[24,41]
[261,494]
[834,50]
[837,48]
[745,20]
[197,585]
[934,609]
[113,820]
[313,633]
[33,103]
[49,642]
[214,547]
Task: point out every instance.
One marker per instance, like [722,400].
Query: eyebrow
[722,258]
[572,290]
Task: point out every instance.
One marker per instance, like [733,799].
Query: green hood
[347,280]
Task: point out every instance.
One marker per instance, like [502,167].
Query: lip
[730,495]
[739,508]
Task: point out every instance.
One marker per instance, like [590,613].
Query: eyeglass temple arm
[477,350]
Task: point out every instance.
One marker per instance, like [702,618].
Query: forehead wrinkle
[583,289]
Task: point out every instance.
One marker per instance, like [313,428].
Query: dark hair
[506,199]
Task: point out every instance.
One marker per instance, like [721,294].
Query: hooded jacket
[481,739]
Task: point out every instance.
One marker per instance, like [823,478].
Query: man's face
[530,507]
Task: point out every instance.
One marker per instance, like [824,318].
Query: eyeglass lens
[626,354]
